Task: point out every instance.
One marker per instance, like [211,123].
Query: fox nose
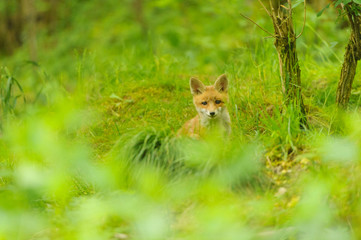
[212,113]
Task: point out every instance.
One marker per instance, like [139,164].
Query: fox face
[210,101]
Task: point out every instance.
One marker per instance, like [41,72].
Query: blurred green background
[93,91]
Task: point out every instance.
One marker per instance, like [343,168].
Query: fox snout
[211,113]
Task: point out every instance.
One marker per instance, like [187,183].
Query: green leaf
[357,1]
[297,3]
[338,2]
[320,12]
[113,95]
[333,44]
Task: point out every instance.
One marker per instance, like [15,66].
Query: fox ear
[197,86]
[221,84]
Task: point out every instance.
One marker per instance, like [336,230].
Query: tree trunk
[11,27]
[352,56]
[29,9]
[138,7]
[285,43]
[289,68]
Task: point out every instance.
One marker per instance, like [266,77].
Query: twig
[289,18]
[276,14]
[257,24]
[274,20]
[304,21]
[284,7]
[272,8]
[264,7]
[290,9]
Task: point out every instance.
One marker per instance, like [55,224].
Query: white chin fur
[214,116]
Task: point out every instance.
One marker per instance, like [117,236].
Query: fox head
[210,101]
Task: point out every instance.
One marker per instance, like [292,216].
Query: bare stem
[257,25]
[304,20]
[264,7]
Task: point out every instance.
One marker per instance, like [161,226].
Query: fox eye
[218,101]
[204,103]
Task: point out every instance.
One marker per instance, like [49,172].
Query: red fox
[210,103]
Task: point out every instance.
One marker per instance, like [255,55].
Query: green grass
[91,153]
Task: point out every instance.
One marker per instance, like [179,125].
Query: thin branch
[289,18]
[272,9]
[284,7]
[264,7]
[304,21]
[271,5]
[257,25]
[290,9]
[274,20]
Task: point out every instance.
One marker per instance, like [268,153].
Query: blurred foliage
[87,146]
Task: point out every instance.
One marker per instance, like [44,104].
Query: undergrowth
[92,152]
